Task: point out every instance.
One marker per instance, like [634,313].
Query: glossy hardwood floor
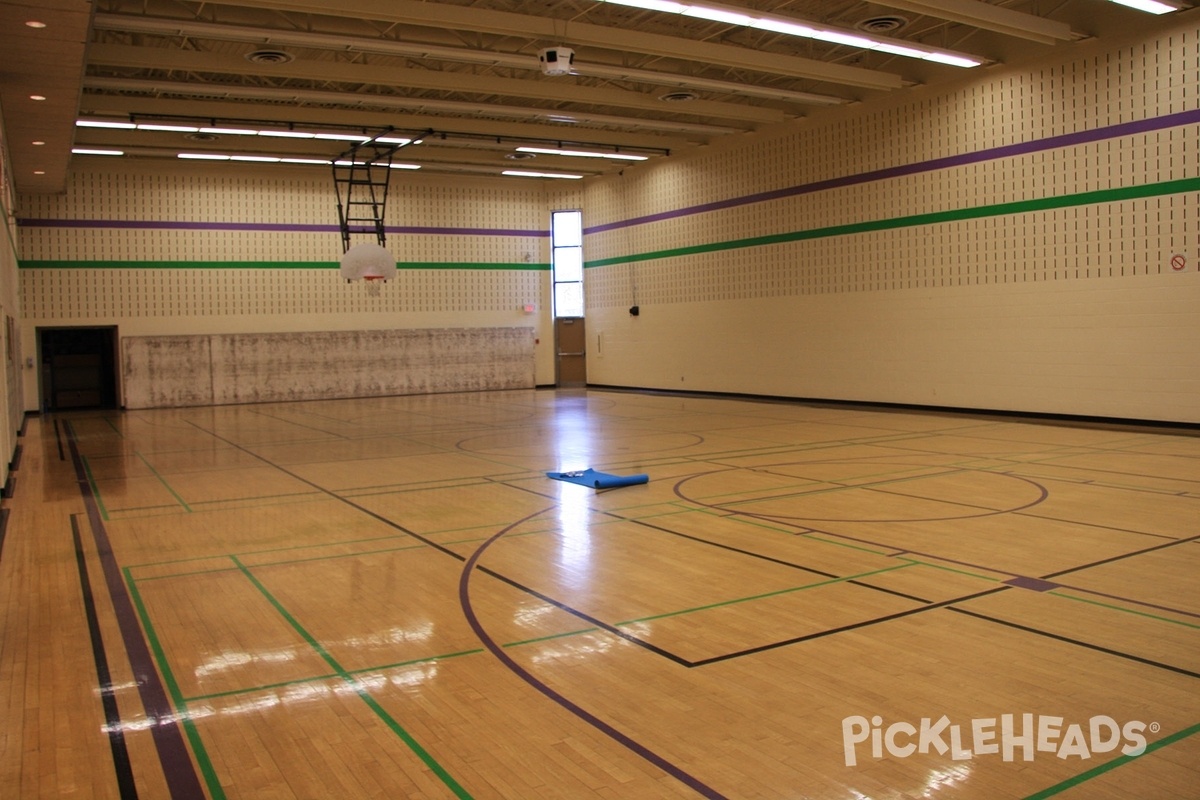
[388,598]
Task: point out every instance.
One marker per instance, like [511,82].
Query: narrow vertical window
[566,262]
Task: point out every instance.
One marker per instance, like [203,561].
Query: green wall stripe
[932,218]
[403,265]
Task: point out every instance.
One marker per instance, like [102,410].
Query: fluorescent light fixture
[87,151]
[100,123]
[1149,6]
[344,137]
[230,131]
[581,153]
[666,6]
[520,173]
[305,161]
[264,159]
[405,166]
[148,126]
[204,156]
[393,140]
[738,16]
[779,26]
[718,15]
[288,134]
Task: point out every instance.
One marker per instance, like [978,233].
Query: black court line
[173,755]
[842,629]
[1122,557]
[112,715]
[1077,642]
[470,565]
[58,440]
[447,551]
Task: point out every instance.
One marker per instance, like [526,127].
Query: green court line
[332,556]
[551,637]
[87,470]
[1125,610]
[944,568]
[848,545]
[1119,761]
[749,521]
[363,694]
[932,218]
[61,264]
[762,596]
[190,574]
[177,699]
[163,481]
[328,676]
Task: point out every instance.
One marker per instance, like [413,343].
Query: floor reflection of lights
[575,541]
[942,779]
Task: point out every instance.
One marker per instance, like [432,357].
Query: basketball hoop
[369,263]
[374,284]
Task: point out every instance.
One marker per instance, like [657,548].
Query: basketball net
[374,284]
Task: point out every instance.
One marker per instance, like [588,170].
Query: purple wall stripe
[171,225]
[976,157]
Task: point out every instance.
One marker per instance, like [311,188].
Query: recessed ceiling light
[33,23]
[37,97]
[39,172]
[38,144]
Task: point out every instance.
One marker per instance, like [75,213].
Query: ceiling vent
[201,137]
[519,156]
[678,97]
[888,23]
[269,57]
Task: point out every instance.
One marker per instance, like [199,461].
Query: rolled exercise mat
[598,480]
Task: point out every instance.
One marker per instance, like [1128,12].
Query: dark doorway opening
[78,368]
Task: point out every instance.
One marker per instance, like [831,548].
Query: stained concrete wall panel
[167,371]
[274,367]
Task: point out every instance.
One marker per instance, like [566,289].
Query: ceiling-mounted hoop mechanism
[362,177]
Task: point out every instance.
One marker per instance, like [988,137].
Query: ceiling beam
[553,90]
[566,120]
[466,18]
[126,107]
[195,29]
[989,17]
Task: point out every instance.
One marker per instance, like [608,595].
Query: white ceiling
[466,73]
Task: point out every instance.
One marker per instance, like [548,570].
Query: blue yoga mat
[598,480]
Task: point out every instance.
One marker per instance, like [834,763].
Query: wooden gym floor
[388,598]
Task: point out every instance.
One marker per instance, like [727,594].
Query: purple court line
[964,159]
[149,224]
[180,774]
[464,597]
